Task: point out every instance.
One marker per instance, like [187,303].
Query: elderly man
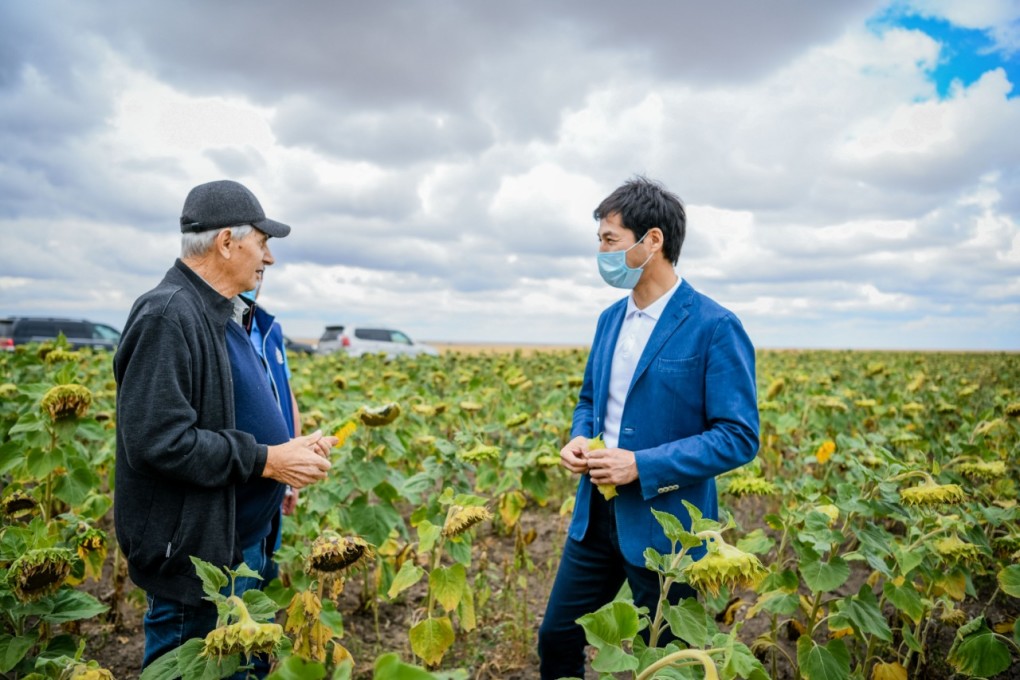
[189,482]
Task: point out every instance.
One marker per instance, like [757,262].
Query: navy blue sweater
[257,412]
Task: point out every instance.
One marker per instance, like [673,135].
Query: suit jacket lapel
[673,316]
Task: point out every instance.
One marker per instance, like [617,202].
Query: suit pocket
[681,365]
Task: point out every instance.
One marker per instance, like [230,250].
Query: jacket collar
[218,308]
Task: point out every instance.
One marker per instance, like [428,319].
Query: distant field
[486,347]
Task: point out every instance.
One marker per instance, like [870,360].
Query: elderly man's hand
[300,461]
[322,444]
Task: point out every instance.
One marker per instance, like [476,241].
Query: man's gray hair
[195,244]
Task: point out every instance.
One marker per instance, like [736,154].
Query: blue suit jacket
[690,414]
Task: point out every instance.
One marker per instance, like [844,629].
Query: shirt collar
[654,310]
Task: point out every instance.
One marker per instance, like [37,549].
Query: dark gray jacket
[179,458]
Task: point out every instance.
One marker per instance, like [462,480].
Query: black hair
[643,204]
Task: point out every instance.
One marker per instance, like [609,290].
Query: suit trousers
[590,575]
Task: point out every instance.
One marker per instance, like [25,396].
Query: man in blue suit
[670,386]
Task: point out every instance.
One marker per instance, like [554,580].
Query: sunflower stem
[684,657]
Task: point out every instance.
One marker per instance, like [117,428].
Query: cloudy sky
[851,170]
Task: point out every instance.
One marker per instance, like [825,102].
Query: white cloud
[440,167]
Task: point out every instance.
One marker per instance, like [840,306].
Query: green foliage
[844,435]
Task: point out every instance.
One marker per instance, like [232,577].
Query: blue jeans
[590,575]
[169,624]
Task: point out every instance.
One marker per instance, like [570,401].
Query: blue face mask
[615,271]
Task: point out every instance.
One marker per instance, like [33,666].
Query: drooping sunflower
[724,565]
[245,636]
[459,519]
[17,505]
[87,671]
[39,572]
[929,493]
[749,485]
[64,402]
[333,553]
[955,549]
[479,453]
[379,416]
[516,420]
[59,354]
[985,469]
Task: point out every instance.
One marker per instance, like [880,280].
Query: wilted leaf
[431,638]
[978,652]
[409,574]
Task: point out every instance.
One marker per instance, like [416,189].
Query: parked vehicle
[359,340]
[6,335]
[20,330]
[298,347]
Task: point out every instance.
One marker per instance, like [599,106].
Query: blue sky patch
[966,53]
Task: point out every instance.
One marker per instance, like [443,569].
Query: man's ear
[224,239]
[657,238]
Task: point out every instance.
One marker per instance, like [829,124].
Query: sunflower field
[876,535]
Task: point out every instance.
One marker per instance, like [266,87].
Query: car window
[332,333]
[31,328]
[376,334]
[104,332]
[6,326]
[397,336]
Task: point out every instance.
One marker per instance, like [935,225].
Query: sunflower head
[775,387]
[89,540]
[17,506]
[953,617]
[88,671]
[470,406]
[459,519]
[724,565]
[955,550]
[39,572]
[517,420]
[479,453]
[425,410]
[246,636]
[749,485]
[60,354]
[8,390]
[1013,409]
[67,402]
[333,553]
[382,415]
[984,469]
[930,493]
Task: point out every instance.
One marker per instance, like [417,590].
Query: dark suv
[20,330]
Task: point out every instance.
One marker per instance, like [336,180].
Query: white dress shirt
[637,327]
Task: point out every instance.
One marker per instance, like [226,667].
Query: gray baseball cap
[225,203]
